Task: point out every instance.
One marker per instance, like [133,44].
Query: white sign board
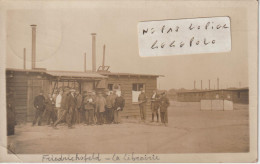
[205,104]
[184,36]
[217,105]
[228,105]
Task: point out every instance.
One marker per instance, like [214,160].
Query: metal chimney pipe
[209,84]
[194,84]
[85,62]
[33,45]
[93,52]
[201,84]
[103,63]
[218,83]
[24,58]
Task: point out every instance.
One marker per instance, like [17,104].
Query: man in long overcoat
[39,105]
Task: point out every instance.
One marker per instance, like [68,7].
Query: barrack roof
[77,74]
[128,74]
[213,90]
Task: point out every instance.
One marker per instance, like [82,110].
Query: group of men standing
[71,107]
[158,101]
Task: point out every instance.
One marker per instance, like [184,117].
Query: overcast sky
[63,36]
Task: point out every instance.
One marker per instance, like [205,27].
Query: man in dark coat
[78,110]
[110,103]
[142,103]
[100,108]
[39,104]
[72,105]
[119,106]
[164,104]
[155,104]
[50,113]
[10,113]
[89,107]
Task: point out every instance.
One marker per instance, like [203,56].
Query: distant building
[239,95]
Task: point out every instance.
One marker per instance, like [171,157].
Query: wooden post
[93,52]
[85,62]
[24,58]
[33,45]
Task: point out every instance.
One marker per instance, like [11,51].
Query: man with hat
[164,104]
[100,108]
[64,108]
[72,104]
[39,104]
[142,103]
[89,107]
[78,109]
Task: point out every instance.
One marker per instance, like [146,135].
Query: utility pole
[218,83]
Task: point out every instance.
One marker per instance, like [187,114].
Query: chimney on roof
[218,83]
[85,64]
[24,58]
[93,52]
[103,63]
[33,45]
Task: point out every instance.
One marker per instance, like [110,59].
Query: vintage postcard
[129,81]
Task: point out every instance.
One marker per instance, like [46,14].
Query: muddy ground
[189,131]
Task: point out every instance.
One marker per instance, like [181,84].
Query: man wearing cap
[164,104]
[100,108]
[39,104]
[155,104]
[89,107]
[142,103]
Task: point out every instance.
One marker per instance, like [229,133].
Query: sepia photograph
[129,81]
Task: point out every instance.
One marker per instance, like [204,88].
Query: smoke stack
[24,58]
[201,84]
[85,62]
[218,83]
[209,84]
[103,63]
[33,45]
[194,84]
[93,52]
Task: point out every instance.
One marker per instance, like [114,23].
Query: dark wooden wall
[26,87]
[18,84]
[126,82]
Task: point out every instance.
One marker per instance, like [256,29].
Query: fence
[218,105]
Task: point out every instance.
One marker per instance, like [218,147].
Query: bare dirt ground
[189,131]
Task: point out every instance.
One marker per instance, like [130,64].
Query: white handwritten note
[184,36]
